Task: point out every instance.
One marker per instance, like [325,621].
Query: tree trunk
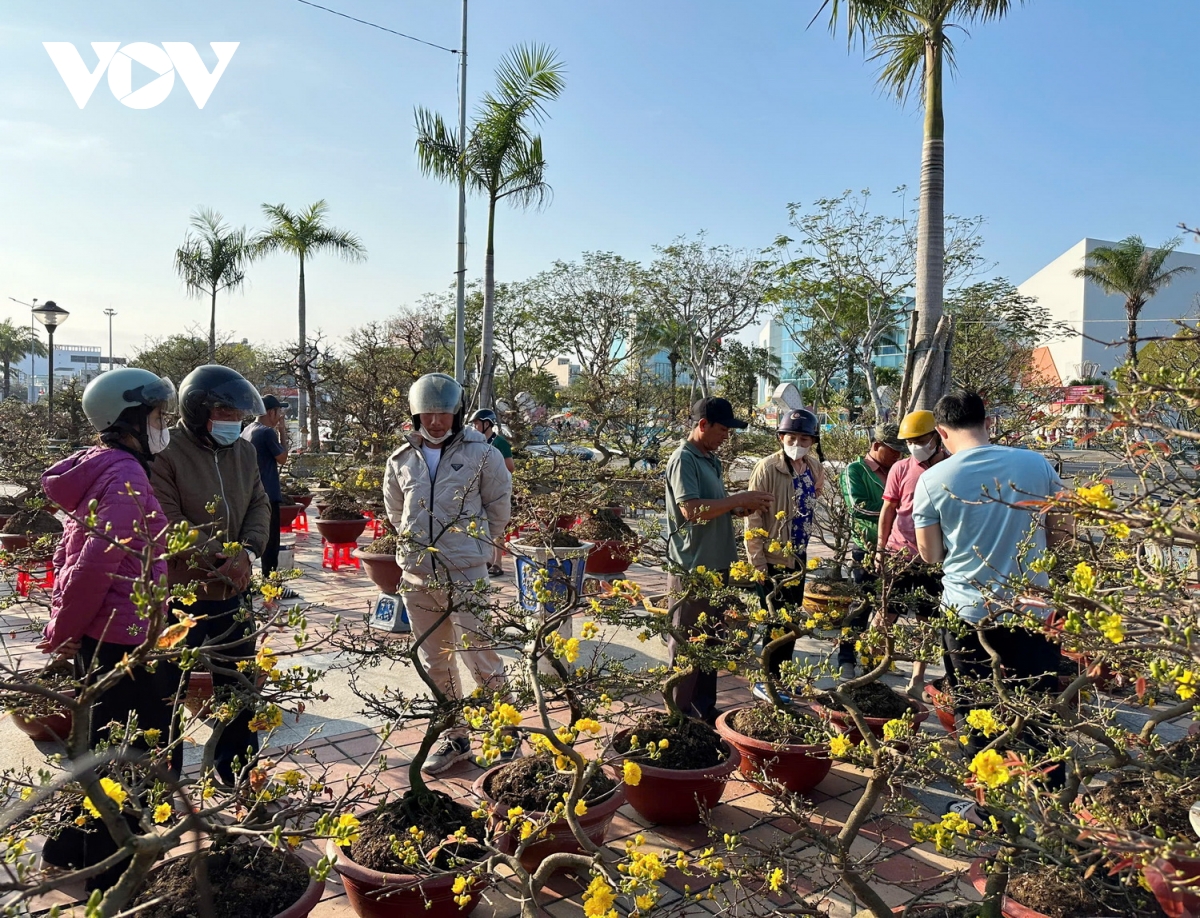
[487,344]
[1131,317]
[212,328]
[314,430]
[931,231]
[7,369]
[673,359]
[302,364]
[868,369]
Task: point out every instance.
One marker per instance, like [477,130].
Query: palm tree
[303,234]
[909,38]
[1135,272]
[501,158]
[17,342]
[671,335]
[212,260]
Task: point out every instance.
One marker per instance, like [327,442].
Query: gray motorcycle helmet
[435,393]
[109,394]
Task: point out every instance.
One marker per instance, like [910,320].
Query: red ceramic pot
[797,767]
[304,500]
[384,570]
[301,908]
[14,541]
[1008,907]
[48,728]
[943,707]
[846,724]
[341,531]
[610,556]
[676,797]
[1175,882]
[288,514]
[374,894]
[594,822]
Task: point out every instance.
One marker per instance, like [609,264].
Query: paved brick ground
[346,738]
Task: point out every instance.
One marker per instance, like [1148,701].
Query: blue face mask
[226,432]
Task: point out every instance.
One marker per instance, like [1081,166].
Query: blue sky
[1071,118]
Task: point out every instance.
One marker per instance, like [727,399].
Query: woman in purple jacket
[92,615]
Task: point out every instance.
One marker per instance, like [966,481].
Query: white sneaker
[451,751]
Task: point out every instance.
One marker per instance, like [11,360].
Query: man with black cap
[268,435]
[700,532]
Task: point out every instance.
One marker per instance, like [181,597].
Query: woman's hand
[65,650]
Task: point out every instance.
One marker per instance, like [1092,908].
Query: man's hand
[65,650]
[750,501]
[237,570]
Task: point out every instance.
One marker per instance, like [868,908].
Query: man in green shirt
[862,489]
[484,420]
[700,532]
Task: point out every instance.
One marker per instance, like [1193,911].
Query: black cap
[717,411]
[270,402]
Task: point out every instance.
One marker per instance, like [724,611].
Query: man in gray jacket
[449,496]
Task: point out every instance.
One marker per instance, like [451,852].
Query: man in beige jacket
[448,494]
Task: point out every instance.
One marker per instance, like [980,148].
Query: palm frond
[438,151]
[528,76]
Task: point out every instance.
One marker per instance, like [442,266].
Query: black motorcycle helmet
[800,421]
[214,386]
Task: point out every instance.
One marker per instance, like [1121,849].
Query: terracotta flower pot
[798,767]
[304,500]
[288,514]
[384,570]
[1175,882]
[1008,907]
[301,908]
[14,541]
[565,522]
[594,822]
[676,796]
[611,556]
[375,894]
[200,691]
[846,724]
[943,707]
[341,531]
[46,728]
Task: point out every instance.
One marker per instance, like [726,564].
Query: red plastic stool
[27,579]
[299,524]
[378,527]
[338,555]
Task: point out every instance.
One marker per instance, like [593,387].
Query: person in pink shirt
[911,583]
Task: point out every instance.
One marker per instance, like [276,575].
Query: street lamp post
[51,315]
[110,312]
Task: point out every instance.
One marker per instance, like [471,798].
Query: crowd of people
[937,530]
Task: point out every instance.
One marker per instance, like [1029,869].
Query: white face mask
[226,432]
[435,441]
[158,438]
[923,453]
[795,452]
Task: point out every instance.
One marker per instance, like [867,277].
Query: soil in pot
[1059,893]
[535,785]
[557,538]
[875,699]
[763,721]
[604,527]
[690,743]
[385,546]
[1144,804]
[937,910]
[435,814]
[1183,756]
[247,880]
[33,523]
[38,717]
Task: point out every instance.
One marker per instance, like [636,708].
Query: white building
[82,360]
[1096,320]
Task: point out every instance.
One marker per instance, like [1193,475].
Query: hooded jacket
[93,580]
[472,486]
[189,476]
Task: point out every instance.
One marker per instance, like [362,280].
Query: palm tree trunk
[931,230]
[302,362]
[673,359]
[212,328]
[6,378]
[487,344]
[1131,317]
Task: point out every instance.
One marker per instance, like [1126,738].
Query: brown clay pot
[14,541]
[875,724]
[1008,907]
[797,767]
[594,822]
[833,606]
[288,514]
[304,500]
[341,531]
[384,570]
[374,894]
[47,728]
[301,908]
[676,797]
[610,556]
[943,707]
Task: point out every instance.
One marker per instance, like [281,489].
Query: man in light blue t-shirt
[964,516]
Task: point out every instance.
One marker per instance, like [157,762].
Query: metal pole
[110,312]
[460,306]
[50,382]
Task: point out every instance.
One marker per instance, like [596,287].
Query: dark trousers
[696,695]
[219,627]
[789,595]
[1030,662]
[915,587]
[149,695]
[270,555]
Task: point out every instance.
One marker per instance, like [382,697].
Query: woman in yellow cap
[908,580]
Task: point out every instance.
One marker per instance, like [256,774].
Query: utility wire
[376,25]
